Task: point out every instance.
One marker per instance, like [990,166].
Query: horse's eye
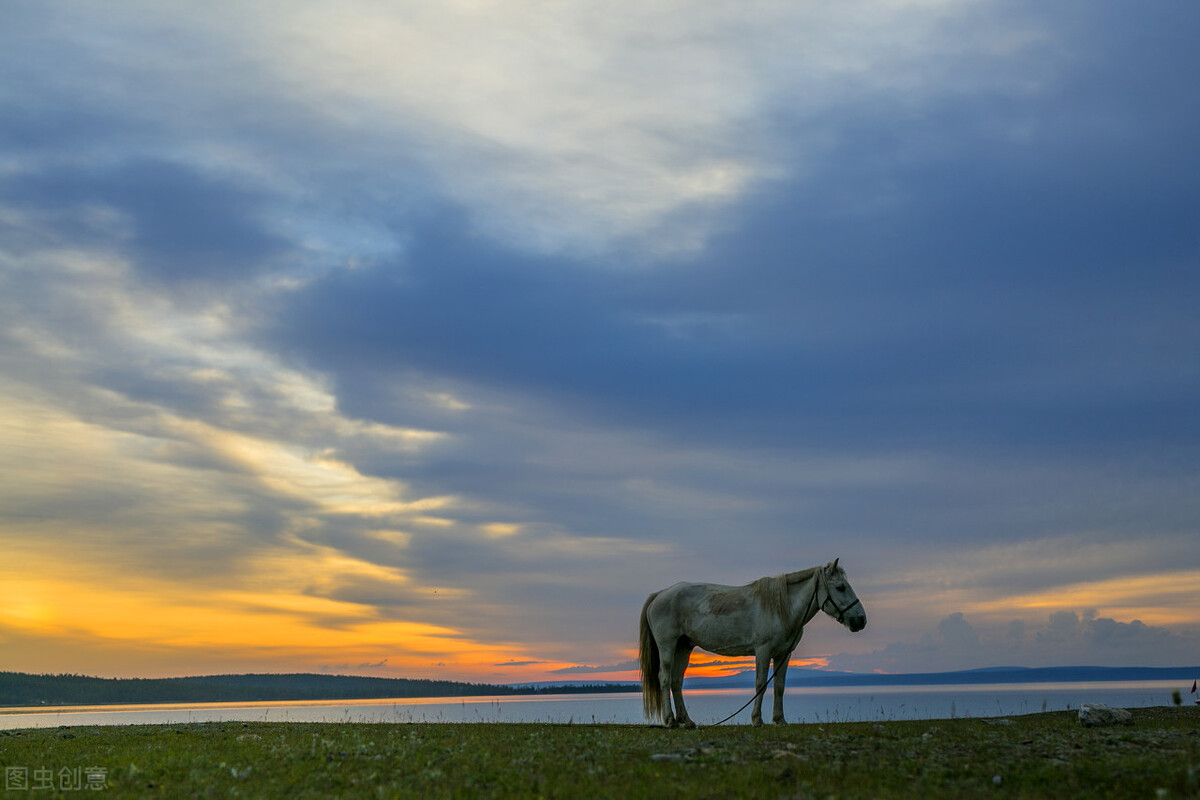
[841,587]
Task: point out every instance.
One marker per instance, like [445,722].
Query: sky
[427,340]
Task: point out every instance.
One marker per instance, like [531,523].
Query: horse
[765,619]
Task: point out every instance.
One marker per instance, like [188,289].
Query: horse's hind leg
[666,663]
[683,652]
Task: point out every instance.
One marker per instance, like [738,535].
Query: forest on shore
[24,689]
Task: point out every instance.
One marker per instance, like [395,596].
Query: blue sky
[429,340]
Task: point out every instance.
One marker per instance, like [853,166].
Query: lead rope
[770,677]
[748,702]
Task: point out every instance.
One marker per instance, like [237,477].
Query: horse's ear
[835,563]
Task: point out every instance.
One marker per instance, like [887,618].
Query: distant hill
[22,689]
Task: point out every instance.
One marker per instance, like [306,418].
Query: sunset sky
[427,339]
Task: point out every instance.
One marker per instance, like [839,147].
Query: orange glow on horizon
[52,600]
[723,668]
[283,608]
[1168,598]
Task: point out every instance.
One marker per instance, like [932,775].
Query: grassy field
[1041,755]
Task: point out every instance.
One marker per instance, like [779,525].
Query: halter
[838,613]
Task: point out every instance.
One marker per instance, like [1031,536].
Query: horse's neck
[802,597]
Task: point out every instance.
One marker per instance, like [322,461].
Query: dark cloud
[515,663]
[1064,638]
[957,632]
[584,669]
[390,597]
[182,224]
[1018,278]
[373,665]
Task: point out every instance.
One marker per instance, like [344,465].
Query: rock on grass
[1096,715]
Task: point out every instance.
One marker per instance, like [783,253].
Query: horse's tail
[652,695]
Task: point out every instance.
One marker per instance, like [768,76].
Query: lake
[803,704]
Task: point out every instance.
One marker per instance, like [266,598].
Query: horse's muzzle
[856,622]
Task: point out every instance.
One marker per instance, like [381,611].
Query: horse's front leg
[682,653]
[762,666]
[781,665]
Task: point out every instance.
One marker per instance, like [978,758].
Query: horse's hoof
[672,723]
[780,721]
[756,723]
[688,724]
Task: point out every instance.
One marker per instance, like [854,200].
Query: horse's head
[840,601]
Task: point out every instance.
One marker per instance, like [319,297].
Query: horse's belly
[724,640]
[730,650]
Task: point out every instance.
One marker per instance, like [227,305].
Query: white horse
[765,619]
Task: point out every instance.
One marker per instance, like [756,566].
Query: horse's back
[714,616]
[685,596]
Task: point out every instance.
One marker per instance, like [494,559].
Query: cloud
[580,669]
[376,665]
[518,663]
[1064,638]
[176,222]
[582,127]
[955,631]
[1052,328]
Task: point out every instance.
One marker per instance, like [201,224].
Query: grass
[1039,755]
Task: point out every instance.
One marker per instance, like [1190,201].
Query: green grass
[1040,755]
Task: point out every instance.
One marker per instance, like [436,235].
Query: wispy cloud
[583,669]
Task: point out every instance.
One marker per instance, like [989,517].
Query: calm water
[803,704]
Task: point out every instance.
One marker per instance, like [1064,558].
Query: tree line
[24,689]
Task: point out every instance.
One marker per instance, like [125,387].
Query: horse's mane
[801,575]
[772,592]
